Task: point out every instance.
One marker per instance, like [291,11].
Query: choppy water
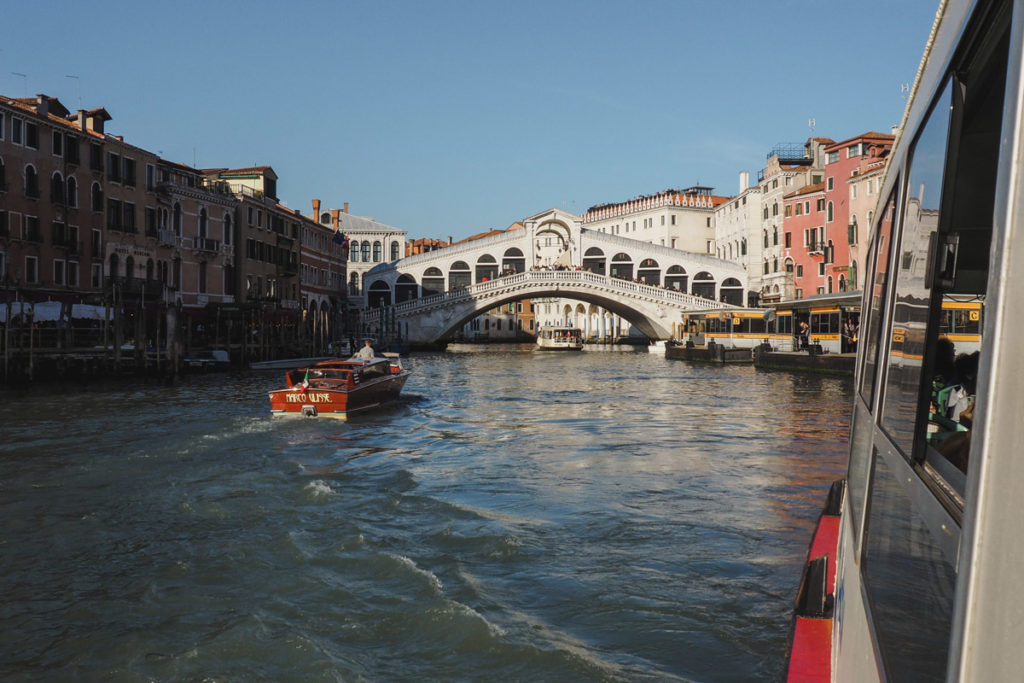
[519,516]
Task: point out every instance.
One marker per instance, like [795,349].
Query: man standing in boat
[366,353]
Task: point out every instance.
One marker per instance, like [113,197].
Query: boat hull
[333,402]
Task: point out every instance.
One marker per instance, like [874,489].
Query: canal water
[518,516]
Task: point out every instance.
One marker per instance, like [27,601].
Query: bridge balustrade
[481,289]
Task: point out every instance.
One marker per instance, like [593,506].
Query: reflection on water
[521,515]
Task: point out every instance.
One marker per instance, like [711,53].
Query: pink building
[843,161]
[803,226]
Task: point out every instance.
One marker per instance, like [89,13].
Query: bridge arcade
[616,273]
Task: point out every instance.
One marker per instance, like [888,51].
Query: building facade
[738,230]
[678,219]
[789,168]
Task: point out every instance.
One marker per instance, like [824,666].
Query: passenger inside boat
[366,353]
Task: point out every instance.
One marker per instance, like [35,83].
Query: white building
[738,230]
[678,219]
[788,169]
[370,243]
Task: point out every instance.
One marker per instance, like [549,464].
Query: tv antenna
[78,82]
[904,91]
[810,124]
[24,79]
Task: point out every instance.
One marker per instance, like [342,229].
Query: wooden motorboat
[339,388]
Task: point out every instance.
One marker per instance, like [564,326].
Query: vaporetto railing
[534,278]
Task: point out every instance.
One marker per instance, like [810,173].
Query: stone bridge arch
[430,320]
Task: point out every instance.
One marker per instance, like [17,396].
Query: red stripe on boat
[825,540]
[811,656]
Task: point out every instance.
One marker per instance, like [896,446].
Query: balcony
[73,246]
[167,238]
[816,248]
[206,244]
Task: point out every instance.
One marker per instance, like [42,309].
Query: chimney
[316,210]
[42,105]
[335,219]
[346,207]
[81,119]
[744,181]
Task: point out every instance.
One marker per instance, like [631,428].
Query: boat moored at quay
[339,388]
[917,559]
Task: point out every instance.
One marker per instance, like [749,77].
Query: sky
[450,118]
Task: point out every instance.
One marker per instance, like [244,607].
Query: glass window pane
[877,286]
[912,297]
[911,583]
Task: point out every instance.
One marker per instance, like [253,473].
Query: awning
[87,312]
[47,311]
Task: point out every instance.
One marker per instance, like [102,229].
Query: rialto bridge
[428,297]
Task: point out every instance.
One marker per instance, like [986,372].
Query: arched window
[732,291]
[376,252]
[433,281]
[828,213]
[96,197]
[704,285]
[649,271]
[353,251]
[593,260]
[72,192]
[622,266]
[743,247]
[228,227]
[3,175]
[379,294]
[366,251]
[765,238]
[203,223]
[513,261]
[31,182]
[486,268]
[353,284]
[459,276]
[406,288]
[177,219]
[57,188]
[675,278]
[394,251]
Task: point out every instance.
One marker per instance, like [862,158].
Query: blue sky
[451,118]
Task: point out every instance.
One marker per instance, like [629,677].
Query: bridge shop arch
[675,278]
[622,266]
[513,261]
[406,288]
[594,260]
[379,294]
